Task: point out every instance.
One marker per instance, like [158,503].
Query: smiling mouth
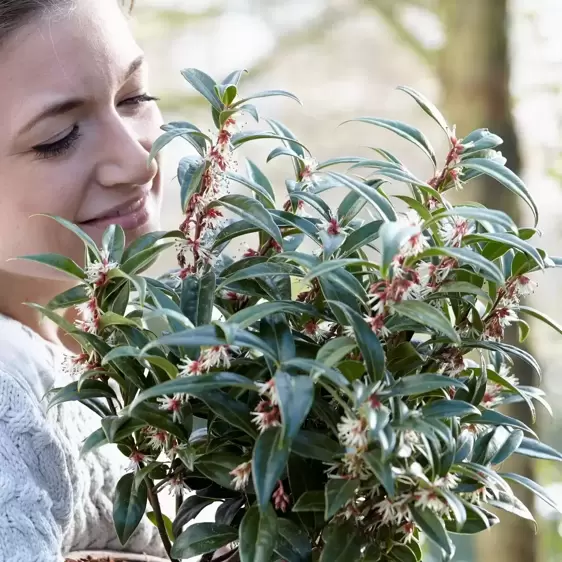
[130,216]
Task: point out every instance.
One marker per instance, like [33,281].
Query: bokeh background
[486,63]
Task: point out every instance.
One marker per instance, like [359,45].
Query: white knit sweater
[51,501]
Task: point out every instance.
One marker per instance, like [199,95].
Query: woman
[77,127]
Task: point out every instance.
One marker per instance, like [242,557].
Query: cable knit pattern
[51,501]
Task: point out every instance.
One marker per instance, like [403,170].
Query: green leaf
[369,193]
[292,141]
[509,240]
[93,442]
[313,500]
[382,470]
[86,238]
[258,534]
[144,258]
[146,241]
[293,544]
[422,383]
[369,345]
[248,316]
[465,288]
[258,177]
[493,417]
[536,449]
[210,336]
[541,316]
[218,466]
[449,409]
[537,489]
[261,270]
[333,351]
[506,446]
[232,411]
[296,395]
[393,235]
[268,94]
[151,516]
[242,138]
[338,493]
[468,257]
[129,506]
[269,460]
[202,538]
[361,237]
[195,386]
[198,297]
[89,389]
[113,242]
[429,316]
[477,520]
[505,176]
[251,211]
[428,107]
[475,213]
[190,175]
[350,207]
[56,261]
[205,85]
[434,529]
[254,186]
[314,445]
[72,297]
[404,130]
[333,265]
[342,544]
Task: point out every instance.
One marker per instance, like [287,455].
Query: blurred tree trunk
[474,71]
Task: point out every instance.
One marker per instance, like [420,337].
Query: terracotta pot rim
[95,554]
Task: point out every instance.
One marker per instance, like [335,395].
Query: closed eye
[137,100]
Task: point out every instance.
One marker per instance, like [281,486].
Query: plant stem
[155,504]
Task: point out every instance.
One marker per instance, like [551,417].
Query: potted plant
[336,391]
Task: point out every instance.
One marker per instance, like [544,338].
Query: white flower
[241,475]
[354,465]
[266,415]
[408,530]
[416,242]
[449,481]
[173,404]
[158,438]
[525,286]
[176,486]
[428,498]
[75,365]
[190,367]
[392,512]
[96,272]
[352,432]
[453,229]
[269,390]
[482,495]
[408,441]
[136,459]
[217,356]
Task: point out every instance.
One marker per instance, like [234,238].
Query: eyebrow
[65,106]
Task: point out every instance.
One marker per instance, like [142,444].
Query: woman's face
[77,126]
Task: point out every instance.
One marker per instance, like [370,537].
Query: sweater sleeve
[35,497]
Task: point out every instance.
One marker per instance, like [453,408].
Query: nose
[125,151]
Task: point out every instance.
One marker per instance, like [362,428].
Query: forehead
[80,52]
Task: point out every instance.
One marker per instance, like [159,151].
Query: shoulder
[25,358]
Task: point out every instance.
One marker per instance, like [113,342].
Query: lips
[129,215]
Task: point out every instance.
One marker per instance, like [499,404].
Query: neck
[17,290]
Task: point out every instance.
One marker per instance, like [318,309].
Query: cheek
[34,188]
